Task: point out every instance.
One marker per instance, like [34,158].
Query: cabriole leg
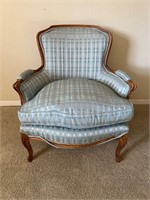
[27,145]
[122,142]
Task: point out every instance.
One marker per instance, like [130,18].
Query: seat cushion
[74,136]
[76,103]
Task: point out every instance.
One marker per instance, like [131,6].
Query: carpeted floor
[90,173]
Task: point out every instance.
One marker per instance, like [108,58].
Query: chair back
[74,51]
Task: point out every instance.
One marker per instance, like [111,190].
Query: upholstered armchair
[74,99]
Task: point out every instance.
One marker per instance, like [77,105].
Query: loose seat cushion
[76,103]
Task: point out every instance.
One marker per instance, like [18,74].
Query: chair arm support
[29,83]
[119,81]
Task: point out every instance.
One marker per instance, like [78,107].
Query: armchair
[74,99]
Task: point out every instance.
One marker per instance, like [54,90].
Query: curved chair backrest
[74,51]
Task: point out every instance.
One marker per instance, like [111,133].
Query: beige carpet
[90,173]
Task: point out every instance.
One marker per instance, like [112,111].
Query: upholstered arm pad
[33,83]
[24,75]
[123,75]
[116,82]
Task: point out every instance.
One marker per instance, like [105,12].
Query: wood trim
[122,141]
[72,146]
[132,87]
[26,142]
[16,86]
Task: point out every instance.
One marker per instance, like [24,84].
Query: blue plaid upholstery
[74,99]
[73,52]
[76,103]
[79,52]
[115,82]
[24,75]
[74,136]
[123,75]
[32,85]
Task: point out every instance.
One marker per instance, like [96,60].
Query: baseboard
[140,101]
[17,103]
[10,103]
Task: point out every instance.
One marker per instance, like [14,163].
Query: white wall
[127,20]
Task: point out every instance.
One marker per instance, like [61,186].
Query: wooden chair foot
[122,142]
[27,145]
[30,158]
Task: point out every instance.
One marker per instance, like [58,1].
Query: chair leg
[122,142]
[27,145]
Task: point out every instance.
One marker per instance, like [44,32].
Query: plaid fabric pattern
[115,82]
[71,100]
[77,52]
[74,136]
[76,103]
[25,74]
[74,52]
[32,85]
